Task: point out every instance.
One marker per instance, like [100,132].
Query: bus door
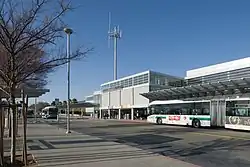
[218,112]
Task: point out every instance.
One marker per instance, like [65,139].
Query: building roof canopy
[240,86]
[31,92]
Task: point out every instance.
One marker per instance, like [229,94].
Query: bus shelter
[30,92]
[205,91]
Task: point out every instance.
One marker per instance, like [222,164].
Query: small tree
[74,101]
[64,103]
[53,103]
[29,33]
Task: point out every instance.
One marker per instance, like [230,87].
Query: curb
[133,121]
[63,129]
[121,120]
[127,120]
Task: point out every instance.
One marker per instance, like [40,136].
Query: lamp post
[68,31]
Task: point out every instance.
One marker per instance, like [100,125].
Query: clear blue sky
[169,36]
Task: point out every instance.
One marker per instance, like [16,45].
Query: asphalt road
[203,147]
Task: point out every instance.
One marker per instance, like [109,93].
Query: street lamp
[68,31]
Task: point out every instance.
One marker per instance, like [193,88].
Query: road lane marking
[218,135]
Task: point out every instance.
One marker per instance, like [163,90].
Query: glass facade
[141,79]
[127,82]
[157,80]
[165,80]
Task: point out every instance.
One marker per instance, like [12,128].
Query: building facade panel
[138,99]
[127,97]
[115,98]
[105,99]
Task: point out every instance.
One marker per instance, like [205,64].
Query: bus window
[234,111]
[171,111]
[242,112]
[205,111]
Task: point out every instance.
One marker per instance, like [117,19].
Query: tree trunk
[9,121]
[13,127]
[24,109]
[1,135]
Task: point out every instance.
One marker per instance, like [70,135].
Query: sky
[168,36]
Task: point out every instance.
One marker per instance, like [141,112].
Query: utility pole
[68,31]
[35,110]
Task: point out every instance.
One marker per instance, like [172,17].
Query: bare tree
[29,33]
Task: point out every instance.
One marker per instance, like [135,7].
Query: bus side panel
[205,120]
[151,119]
[234,122]
[177,119]
[237,127]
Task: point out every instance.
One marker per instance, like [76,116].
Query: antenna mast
[115,34]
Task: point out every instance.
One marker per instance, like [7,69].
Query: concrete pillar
[119,114]
[100,114]
[109,114]
[132,114]
[148,110]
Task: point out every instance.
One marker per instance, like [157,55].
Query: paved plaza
[95,143]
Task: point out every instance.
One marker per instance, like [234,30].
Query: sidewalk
[52,147]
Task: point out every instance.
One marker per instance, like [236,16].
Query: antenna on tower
[115,34]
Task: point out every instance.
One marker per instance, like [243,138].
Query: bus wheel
[196,123]
[159,121]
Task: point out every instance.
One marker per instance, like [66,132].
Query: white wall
[217,68]
[90,110]
[139,100]
[115,98]
[105,99]
[126,98]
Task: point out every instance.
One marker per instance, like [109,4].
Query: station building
[121,99]
[129,97]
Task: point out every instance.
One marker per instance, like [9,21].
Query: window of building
[141,79]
